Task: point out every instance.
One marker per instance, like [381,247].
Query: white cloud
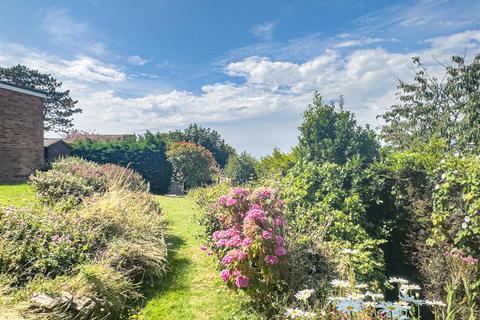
[271,89]
[137,60]
[265,30]
[61,26]
[82,68]
[357,42]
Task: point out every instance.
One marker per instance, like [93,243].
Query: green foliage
[192,164]
[241,168]
[208,138]
[59,107]
[144,154]
[430,107]
[276,164]
[331,135]
[335,200]
[456,204]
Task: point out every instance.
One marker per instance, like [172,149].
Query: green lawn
[191,289]
[18,194]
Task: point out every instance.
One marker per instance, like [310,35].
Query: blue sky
[245,68]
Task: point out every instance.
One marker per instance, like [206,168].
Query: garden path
[191,289]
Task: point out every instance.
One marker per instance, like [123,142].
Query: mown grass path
[191,289]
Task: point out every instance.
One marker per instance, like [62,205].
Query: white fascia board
[24,91]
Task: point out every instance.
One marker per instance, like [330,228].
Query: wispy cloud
[357,42]
[137,60]
[59,23]
[265,30]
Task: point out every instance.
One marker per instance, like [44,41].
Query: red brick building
[21,132]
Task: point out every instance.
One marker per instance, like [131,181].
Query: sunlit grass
[191,289]
[18,194]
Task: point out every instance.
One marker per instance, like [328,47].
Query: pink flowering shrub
[246,232]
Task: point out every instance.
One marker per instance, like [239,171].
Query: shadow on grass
[176,269]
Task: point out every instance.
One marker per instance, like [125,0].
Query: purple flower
[222,199]
[279,241]
[203,247]
[240,191]
[256,214]
[234,241]
[267,234]
[239,255]
[247,242]
[280,251]
[221,242]
[217,235]
[271,260]
[231,202]
[225,275]
[279,221]
[228,259]
[242,281]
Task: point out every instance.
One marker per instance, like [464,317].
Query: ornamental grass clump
[247,235]
[91,261]
[73,179]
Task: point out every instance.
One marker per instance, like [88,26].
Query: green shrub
[193,165]
[241,168]
[208,138]
[333,200]
[69,181]
[64,187]
[144,154]
[103,253]
[39,240]
[275,165]
[72,179]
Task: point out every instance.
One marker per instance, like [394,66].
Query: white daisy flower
[348,306]
[337,283]
[361,286]
[294,313]
[410,287]
[466,219]
[304,294]
[397,280]
[435,303]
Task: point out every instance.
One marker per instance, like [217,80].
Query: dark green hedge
[144,154]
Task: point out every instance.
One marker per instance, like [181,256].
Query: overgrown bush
[91,261]
[193,165]
[72,179]
[435,195]
[334,200]
[144,154]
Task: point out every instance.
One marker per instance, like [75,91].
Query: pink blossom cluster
[460,256]
[251,235]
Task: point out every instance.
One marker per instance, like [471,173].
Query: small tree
[448,109]
[241,168]
[331,134]
[59,107]
[208,138]
[192,164]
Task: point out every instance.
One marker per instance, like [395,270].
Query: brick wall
[21,135]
